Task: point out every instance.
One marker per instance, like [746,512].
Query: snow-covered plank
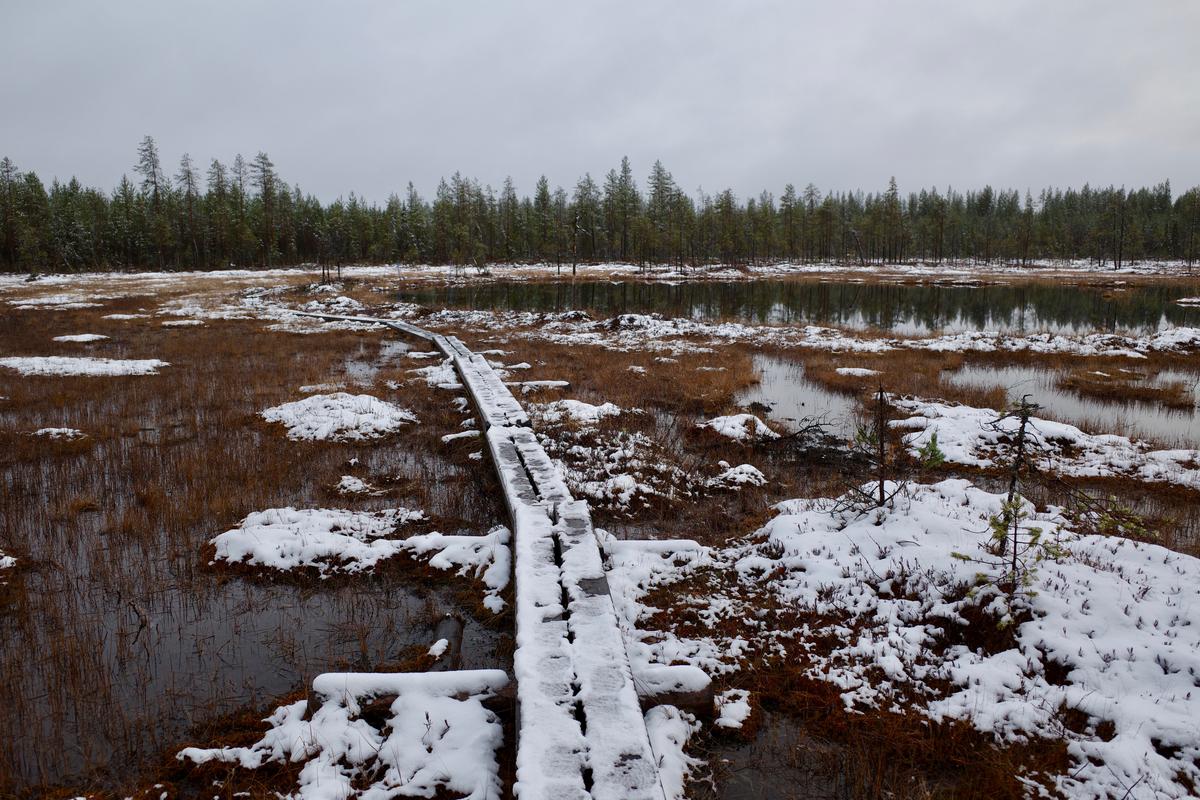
[546,477]
[514,480]
[492,398]
[551,750]
[360,685]
[581,732]
[619,752]
[411,330]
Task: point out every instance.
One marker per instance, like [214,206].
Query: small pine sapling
[1009,576]
[930,455]
[886,473]
[1015,549]
[1021,462]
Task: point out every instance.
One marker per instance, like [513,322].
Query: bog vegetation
[246,215]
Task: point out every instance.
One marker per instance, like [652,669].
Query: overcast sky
[365,96]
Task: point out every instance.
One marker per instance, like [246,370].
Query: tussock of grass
[1127,386]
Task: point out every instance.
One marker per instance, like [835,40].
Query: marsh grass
[1127,386]
[125,644]
[119,636]
[897,752]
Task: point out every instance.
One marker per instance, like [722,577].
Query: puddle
[1172,427]
[200,653]
[362,366]
[781,763]
[792,397]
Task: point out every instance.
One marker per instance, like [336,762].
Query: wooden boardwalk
[580,726]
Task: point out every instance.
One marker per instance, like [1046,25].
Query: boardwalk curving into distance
[581,733]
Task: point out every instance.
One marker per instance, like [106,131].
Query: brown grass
[905,372]
[114,617]
[1127,386]
[905,755]
[112,530]
[880,753]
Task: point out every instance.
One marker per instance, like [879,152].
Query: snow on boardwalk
[581,732]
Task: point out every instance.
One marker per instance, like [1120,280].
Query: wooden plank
[581,731]
[619,752]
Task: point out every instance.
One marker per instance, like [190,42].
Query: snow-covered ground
[90,367]
[118,284]
[653,332]
[333,541]
[620,470]
[438,739]
[339,417]
[1107,630]
[57,302]
[740,427]
[244,294]
[971,436]
[81,337]
[60,433]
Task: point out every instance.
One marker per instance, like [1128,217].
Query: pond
[1173,427]
[902,308]
[792,398]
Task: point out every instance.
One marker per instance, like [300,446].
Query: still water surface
[904,309]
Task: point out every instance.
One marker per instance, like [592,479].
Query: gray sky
[365,96]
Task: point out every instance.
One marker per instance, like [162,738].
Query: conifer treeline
[245,215]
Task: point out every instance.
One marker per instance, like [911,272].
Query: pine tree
[263,176]
[188,185]
[217,202]
[149,167]
[10,179]
[544,219]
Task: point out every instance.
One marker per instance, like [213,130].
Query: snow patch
[576,411]
[55,302]
[740,427]
[335,541]
[82,366]
[438,738]
[81,337]
[328,540]
[735,477]
[352,485]
[733,708]
[314,388]
[59,433]
[968,435]
[669,730]
[339,417]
